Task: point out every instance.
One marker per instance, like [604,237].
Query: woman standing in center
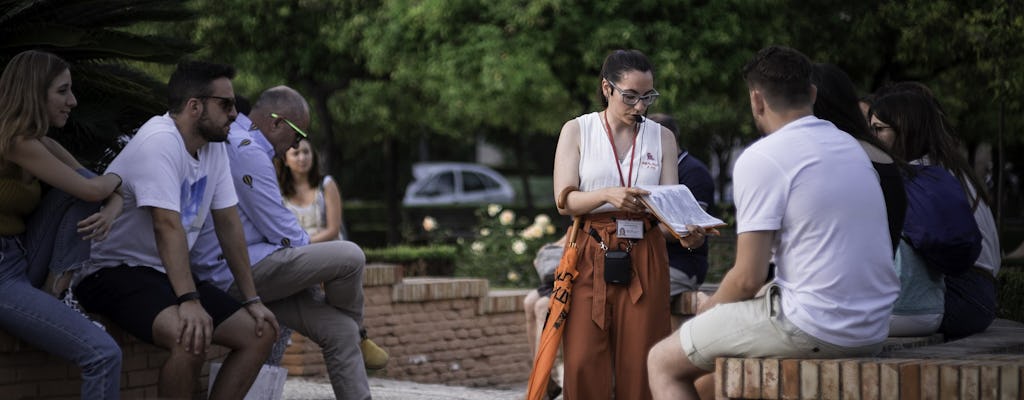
[620,300]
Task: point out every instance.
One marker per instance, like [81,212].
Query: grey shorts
[755,328]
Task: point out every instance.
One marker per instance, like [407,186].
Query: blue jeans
[53,244]
[41,320]
[970,304]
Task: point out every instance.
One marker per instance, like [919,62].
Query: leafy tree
[383,75]
[114,98]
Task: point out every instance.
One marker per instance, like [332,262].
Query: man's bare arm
[747,276]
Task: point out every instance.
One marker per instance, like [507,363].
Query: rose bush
[504,247]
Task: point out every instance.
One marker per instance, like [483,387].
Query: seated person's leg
[42,321]
[540,312]
[335,332]
[914,325]
[141,301]
[531,320]
[250,344]
[670,372]
[970,305]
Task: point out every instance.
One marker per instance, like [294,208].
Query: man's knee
[540,307]
[529,301]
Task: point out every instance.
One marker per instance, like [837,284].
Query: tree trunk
[524,173]
[331,156]
[391,192]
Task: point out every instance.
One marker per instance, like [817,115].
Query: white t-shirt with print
[158,171]
[814,185]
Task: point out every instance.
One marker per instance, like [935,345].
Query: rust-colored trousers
[610,328]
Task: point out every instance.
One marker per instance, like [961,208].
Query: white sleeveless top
[597,160]
[313,217]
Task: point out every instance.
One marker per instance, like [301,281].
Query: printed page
[676,207]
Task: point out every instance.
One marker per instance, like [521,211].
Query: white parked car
[438,183]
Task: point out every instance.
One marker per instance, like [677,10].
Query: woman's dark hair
[920,130]
[837,103]
[287,182]
[618,63]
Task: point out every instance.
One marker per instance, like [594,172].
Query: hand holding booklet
[676,207]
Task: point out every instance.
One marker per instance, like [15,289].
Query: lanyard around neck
[615,153]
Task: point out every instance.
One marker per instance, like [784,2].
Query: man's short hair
[192,79]
[782,74]
[667,121]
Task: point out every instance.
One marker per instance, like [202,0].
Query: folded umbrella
[551,335]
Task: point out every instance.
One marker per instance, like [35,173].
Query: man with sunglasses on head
[287,268]
[175,176]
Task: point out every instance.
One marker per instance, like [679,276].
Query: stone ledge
[381,274]
[502,301]
[428,289]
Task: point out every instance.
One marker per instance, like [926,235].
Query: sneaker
[68,298]
[374,357]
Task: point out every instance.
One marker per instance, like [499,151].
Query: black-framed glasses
[226,103]
[300,134]
[631,98]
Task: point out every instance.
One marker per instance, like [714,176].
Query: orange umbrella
[551,336]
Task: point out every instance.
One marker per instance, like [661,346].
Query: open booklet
[676,207]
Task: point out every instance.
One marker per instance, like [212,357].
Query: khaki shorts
[755,328]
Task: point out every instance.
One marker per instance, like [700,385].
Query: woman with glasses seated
[619,304]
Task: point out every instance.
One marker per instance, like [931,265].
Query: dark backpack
[940,222]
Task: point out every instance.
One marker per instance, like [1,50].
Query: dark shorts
[133,296]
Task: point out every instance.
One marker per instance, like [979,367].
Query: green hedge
[1011,293]
[435,260]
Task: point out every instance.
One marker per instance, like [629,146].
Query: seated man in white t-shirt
[808,200]
[176,173]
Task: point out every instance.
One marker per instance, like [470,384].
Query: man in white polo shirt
[808,200]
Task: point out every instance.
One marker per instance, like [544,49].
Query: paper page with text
[676,207]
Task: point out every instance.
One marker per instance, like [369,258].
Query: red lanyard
[615,153]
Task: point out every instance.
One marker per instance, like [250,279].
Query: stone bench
[989,365]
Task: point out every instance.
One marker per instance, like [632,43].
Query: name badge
[630,229]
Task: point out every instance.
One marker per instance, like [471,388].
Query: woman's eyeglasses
[631,98]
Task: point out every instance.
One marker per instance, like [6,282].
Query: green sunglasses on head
[291,124]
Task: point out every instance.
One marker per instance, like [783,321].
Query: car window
[472,182]
[440,184]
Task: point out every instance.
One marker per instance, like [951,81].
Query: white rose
[493,209]
[485,232]
[512,276]
[507,217]
[477,247]
[429,223]
[519,247]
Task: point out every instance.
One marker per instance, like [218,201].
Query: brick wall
[26,372]
[438,330]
